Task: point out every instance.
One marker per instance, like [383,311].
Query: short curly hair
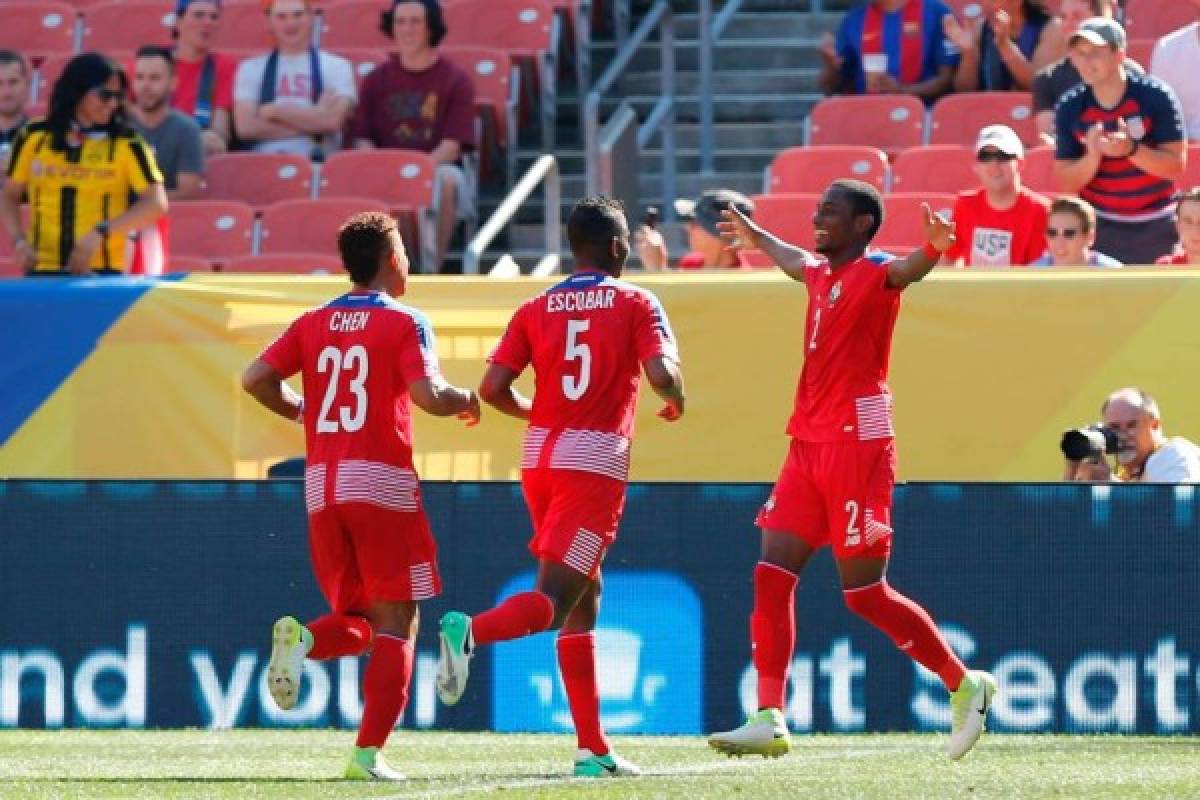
[363,241]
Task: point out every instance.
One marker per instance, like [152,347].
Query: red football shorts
[575,516]
[837,494]
[361,552]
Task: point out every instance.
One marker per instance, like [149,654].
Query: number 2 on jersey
[574,387]
[812,342]
[334,361]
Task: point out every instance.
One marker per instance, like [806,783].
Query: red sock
[385,688]
[577,663]
[909,626]
[336,635]
[519,615]
[772,631]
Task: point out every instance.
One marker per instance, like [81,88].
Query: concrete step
[571,161]
[762,25]
[729,53]
[751,6]
[727,106]
[728,81]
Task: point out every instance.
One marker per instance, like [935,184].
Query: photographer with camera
[1131,431]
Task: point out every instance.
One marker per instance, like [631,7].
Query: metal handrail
[545,168]
[710,31]
[661,116]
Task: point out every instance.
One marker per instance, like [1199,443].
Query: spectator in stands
[92,178]
[295,99]
[1002,223]
[1070,234]
[174,136]
[1144,453]
[417,100]
[1052,82]
[890,47]
[1120,146]
[1005,46]
[1187,225]
[205,79]
[14,94]
[1176,61]
[706,248]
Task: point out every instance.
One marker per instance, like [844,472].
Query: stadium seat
[258,179]
[243,27]
[303,226]
[177,264]
[211,229]
[352,23]
[811,169]
[496,98]
[935,168]
[38,28]
[958,118]
[286,263]
[889,122]
[363,59]
[1141,51]
[1038,171]
[1151,19]
[788,216]
[903,224]
[127,25]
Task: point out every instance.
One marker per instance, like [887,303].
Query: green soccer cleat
[456,646]
[367,764]
[286,668]
[764,734]
[969,705]
[609,765]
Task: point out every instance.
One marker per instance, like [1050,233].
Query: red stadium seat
[889,122]
[287,264]
[522,27]
[811,169]
[903,223]
[258,179]
[211,229]
[188,264]
[243,26]
[491,70]
[1151,19]
[935,168]
[1038,170]
[958,118]
[304,226]
[127,25]
[352,23]
[38,28]
[788,216]
[8,269]
[401,179]
[1141,51]
[363,59]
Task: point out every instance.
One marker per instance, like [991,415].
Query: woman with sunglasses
[89,178]
[1070,236]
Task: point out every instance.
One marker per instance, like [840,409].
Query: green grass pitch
[299,764]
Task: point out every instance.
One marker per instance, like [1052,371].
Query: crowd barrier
[148,604]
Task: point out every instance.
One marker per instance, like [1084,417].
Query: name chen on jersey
[590,300]
[349,321]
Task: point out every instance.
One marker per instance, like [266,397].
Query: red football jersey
[843,393]
[586,339]
[357,355]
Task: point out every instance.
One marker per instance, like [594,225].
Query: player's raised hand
[671,412]
[737,230]
[939,231]
[473,412]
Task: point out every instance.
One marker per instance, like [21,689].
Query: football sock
[772,631]
[385,688]
[909,626]
[577,663]
[335,635]
[520,615]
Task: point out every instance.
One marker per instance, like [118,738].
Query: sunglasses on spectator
[1066,233]
[988,156]
[107,95]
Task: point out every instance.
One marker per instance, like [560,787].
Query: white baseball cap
[1001,137]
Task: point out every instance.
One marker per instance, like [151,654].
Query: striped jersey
[1121,190]
[356,356]
[843,393]
[586,339]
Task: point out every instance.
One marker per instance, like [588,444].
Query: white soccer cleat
[287,661]
[764,734]
[969,705]
[367,764]
[609,765]
[456,645]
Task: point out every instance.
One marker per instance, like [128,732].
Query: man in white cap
[1002,223]
[1119,144]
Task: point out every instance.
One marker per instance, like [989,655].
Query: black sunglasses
[1066,233]
[986,157]
[109,94]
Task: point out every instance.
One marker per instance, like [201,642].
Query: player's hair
[1081,208]
[594,222]
[435,20]
[157,51]
[363,240]
[83,73]
[13,57]
[1147,404]
[865,200]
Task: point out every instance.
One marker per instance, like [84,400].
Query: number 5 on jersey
[574,387]
[334,361]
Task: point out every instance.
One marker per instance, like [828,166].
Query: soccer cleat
[456,646]
[609,765]
[764,734]
[367,764]
[287,661]
[969,705]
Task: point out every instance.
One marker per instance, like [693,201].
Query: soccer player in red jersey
[362,357]
[587,338]
[835,487]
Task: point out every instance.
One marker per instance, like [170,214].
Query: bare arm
[437,397]
[151,204]
[497,390]
[666,378]
[1045,126]
[932,88]
[187,185]
[219,133]
[10,217]
[737,230]
[448,151]
[1072,176]
[1165,161]
[939,235]
[253,127]
[264,384]
[327,116]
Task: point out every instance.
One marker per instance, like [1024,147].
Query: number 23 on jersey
[350,365]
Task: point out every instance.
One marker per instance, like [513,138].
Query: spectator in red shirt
[418,100]
[1187,223]
[205,78]
[1002,223]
